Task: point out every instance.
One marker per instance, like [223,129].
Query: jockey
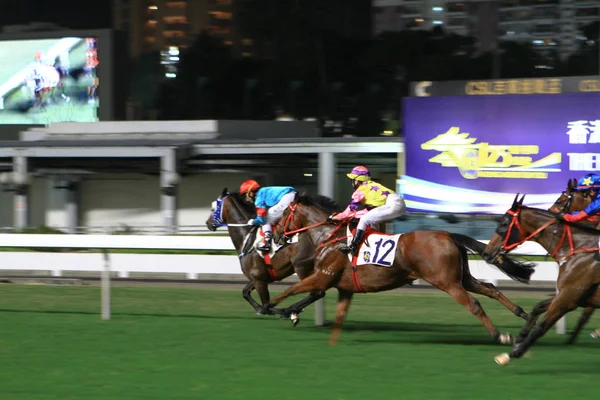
[589,184]
[371,202]
[270,203]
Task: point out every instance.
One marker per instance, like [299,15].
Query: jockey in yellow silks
[371,202]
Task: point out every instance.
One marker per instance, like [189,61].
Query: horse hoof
[502,359]
[595,334]
[295,319]
[506,338]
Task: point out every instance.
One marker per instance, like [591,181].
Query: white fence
[191,265]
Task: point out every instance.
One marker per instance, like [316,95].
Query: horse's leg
[316,281]
[585,316]
[343,304]
[538,310]
[296,308]
[247,294]
[487,289]
[472,304]
[566,300]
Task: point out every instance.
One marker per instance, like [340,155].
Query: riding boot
[266,245]
[356,241]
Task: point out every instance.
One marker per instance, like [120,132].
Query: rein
[326,241]
[567,234]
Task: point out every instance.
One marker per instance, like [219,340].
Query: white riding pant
[394,207]
[274,213]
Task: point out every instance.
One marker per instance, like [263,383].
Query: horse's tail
[516,270]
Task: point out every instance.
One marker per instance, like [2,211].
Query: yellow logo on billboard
[482,160]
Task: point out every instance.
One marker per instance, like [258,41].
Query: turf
[199,343]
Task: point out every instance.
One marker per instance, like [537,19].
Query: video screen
[48,80]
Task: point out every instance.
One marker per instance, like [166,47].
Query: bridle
[217,214]
[523,237]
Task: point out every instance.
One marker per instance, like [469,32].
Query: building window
[456,7]
[221,14]
[176,4]
[173,34]
[150,39]
[247,42]
[176,20]
[228,43]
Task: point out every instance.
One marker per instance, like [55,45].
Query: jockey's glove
[251,222]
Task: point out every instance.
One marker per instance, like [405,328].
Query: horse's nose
[210,226]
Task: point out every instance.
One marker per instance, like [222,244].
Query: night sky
[73,14]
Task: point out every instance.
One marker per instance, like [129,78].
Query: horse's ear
[515,204]
[224,192]
[574,184]
[296,197]
[521,201]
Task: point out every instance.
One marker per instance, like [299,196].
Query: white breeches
[274,213]
[394,207]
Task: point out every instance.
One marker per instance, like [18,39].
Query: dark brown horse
[437,257]
[573,246]
[233,211]
[570,200]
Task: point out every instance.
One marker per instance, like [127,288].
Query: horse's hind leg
[487,289]
[343,305]
[585,316]
[472,304]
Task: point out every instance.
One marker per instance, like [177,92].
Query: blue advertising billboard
[473,154]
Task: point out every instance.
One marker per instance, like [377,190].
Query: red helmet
[249,186]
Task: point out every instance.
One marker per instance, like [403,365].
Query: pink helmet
[360,173]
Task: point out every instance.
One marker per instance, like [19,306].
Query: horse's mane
[240,200]
[322,202]
[583,226]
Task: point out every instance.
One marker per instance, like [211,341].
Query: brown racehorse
[437,257]
[569,200]
[573,246]
[233,211]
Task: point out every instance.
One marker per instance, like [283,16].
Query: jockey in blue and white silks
[270,203]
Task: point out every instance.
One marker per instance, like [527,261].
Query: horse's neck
[554,235]
[237,234]
[318,235]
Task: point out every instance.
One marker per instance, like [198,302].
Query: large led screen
[473,154]
[48,80]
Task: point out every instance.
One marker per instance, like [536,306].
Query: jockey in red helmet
[371,202]
[270,203]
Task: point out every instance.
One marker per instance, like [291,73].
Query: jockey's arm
[358,197]
[590,210]
[261,216]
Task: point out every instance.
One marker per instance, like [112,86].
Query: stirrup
[264,248]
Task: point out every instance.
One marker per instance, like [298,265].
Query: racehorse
[569,200]
[437,257]
[573,246]
[233,211]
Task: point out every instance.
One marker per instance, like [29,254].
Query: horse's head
[571,199]
[217,216]
[509,233]
[229,208]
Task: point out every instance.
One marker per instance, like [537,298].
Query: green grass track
[201,343]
